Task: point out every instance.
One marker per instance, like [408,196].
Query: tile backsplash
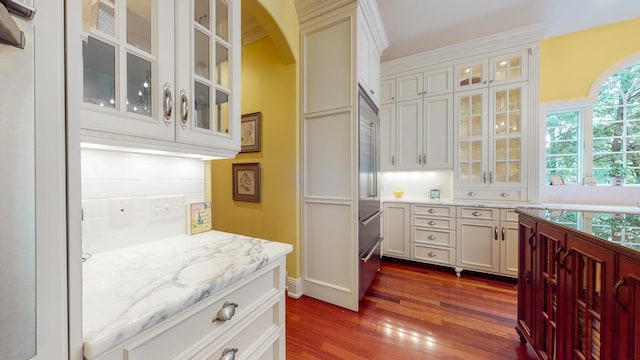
[129,199]
[416,184]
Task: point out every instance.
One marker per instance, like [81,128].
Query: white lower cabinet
[256,329]
[433,234]
[487,240]
[463,237]
[395,227]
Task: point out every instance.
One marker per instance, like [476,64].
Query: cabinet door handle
[420,159]
[393,98]
[476,213]
[393,160]
[564,260]
[503,234]
[371,91]
[556,259]
[495,233]
[431,237]
[490,177]
[167,104]
[530,240]
[229,354]
[616,292]
[431,222]
[484,177]
[431,254]
[526,276]
[226,312]
[431,211]
[184,109]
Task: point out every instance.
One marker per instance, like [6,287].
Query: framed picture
[251,132]
[246,182]
[557,180]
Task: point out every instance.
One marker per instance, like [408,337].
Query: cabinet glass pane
[222,65]
[476,150]
[202,51]
[222,111]
[514,122]
[464,126]
[139,24]
[501,150]
[464,151]
[501,124]
[202,106]
[476,126]
[222,19]
[464,173]
[476,104]
[476,173]
[99,73]
[514,171]
[139,86]
[508,68]
[465,108]
[514,99]
[202,14]
[470,75]
[99,15]
[514,149]
[501,172]
[501,101]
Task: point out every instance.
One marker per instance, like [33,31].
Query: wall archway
[280,22]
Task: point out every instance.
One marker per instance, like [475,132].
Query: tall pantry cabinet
[341,42]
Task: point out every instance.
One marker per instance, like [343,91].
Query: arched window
[599,140]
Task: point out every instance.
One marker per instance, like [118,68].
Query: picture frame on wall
[246,182]
[251,133]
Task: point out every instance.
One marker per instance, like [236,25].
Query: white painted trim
[373,19]
[523,37]
[294,287]
[632,59]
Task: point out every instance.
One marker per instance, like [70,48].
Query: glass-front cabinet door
[472,113]
[506,131]
[127,48]
[208,71]
[509,68]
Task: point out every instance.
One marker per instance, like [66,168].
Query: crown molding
[310,9]
[373,19]
[527,36]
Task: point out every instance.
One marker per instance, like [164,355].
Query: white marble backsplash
[132,289]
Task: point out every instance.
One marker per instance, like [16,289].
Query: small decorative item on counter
[398,194]
[199,217]
[617,174]
[434,194]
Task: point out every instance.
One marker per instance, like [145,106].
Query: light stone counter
[129,290]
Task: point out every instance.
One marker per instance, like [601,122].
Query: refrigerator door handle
[374,158]
[372,250]
[370,218]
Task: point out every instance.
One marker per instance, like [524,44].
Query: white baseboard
[294,287]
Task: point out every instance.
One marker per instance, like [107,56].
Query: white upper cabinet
[496,70]
[387,91]
[162,75]
[426,83]
[368,61]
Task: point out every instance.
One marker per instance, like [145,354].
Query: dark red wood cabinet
[578,296]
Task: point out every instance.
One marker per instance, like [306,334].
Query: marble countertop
[129,290]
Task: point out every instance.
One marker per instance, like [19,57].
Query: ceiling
[415,26]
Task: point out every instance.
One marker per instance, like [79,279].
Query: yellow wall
[268,86]
[280,20]
[569,64]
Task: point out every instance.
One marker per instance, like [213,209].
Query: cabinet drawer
[433,223]
[183,334]
[433,210]
[433,237]
[508,215]
[436,255]
[245,337]
[478,213]
[491,194]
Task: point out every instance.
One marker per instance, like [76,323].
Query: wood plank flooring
[411,312]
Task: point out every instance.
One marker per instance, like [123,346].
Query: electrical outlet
[165,208]
[120,212]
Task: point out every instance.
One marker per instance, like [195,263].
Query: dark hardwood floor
[411,312]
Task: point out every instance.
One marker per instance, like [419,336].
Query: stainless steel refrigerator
[369,211]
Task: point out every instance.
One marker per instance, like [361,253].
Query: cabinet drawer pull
[167,104]
[226,313]
[431,237]
[431,222]
[431,254]
[184,109]
[431,211]
[229,354]
[476,213]
[505,195]
[471,193]
[616,292]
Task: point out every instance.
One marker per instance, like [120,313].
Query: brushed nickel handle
[484,177]
[503,234]
[431,211]
[431,222]
[431,254]
[495,233]
[505,195]
[490,177]
[167,104]
[616,292]
[471,193]
[419,159]
[229,354]
[184,109]
[476,213]
[371,91]
[431,237]
[226,312]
